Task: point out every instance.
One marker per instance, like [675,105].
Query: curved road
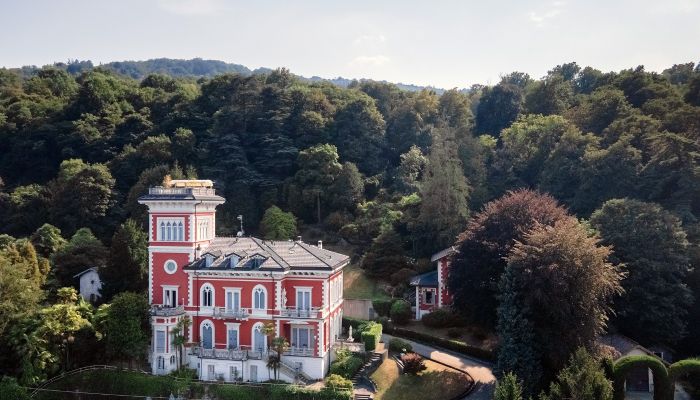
[480,371]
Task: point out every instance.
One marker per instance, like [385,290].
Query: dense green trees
[654,249]
[559,283]
[583,378]
[278,225]
[126,327]
[127,265]
[489,237]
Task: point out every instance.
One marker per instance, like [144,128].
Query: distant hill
[198,68]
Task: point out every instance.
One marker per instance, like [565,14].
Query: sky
[440,43]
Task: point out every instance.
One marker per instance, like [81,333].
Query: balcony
[195,191]
[167,311]
[231,313]
[238,354]
[300,351]
[293,312]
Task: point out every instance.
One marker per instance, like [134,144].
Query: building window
[234,373]
[304,299]
[429,297]
[160,341]
[232,338]
[233,300]
[259,298]
[161,363]
[207,296]
[170,266]
[170,296]
[207,335]
[259,338]
[301,338]
[172,360]
[171,230]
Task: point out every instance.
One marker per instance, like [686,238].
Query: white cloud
[369,40]
[540,18]
[371,61]
[191,7]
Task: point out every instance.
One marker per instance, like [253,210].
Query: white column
[320,338]
[417,304]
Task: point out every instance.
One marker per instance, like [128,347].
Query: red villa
[230,287]
[431,287]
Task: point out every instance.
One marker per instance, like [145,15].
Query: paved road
[479,370]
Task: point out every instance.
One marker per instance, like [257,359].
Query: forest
[610,158]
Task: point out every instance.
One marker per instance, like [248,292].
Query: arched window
[207,296]
[207,335]
[259,338]
[168,232]
[259,298]
[180,232]
[172,360]
[161,362]
[162,231]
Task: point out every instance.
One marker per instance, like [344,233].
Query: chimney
[320,244]
[298,238]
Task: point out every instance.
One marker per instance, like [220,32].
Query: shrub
[453,345]
[398,345]
[440,318]
[454,333]
[683,368]
[371,334]
[508,388]
[286,392]
[9,389]
[402,276]
[346,363]
[382,307]
[337,382]
[400,312]
[412,363]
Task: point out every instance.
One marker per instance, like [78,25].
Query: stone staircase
[363,387]
[292,372]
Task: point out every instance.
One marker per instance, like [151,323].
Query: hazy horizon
[452,44]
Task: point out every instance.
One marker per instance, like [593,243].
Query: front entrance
[638,379]
[253,373]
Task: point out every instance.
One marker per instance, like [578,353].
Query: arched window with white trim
[207,334]
[259,338]
[162,231]
[207,296]
[168,232]
[180,232]
[260,298]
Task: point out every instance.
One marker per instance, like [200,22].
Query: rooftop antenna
[241,232]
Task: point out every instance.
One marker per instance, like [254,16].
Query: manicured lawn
[469,336]
[437,381]
[358,286]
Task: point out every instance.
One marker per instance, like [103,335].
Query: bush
[508,388]
[412,363]
[400,312]
[10,390]
[337,382]
[453,345]
[286,392]
[440,318]
[397,345]
[371,334]
[382,307]
[402,276]
[454,333]
[346,364]
[683,368]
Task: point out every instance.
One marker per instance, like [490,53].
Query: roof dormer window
[208,260]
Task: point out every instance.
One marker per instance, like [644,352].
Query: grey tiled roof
[443,253]
[426,279]
[248,253]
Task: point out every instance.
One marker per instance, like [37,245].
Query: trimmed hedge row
[453,345]
[683,368]
[663,387]
[371,335]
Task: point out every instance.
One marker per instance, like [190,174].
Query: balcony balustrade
[167,311]
[243,353]
[300,351]
[231,313]
[181,191]
[293,312]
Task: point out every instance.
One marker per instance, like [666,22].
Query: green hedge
[401,312]
[371,335]
[382,307]
[346,364]
[119,382]
[663,389]
[397,345]
[683,368]
[239,392]
[286,392]
[453,345]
